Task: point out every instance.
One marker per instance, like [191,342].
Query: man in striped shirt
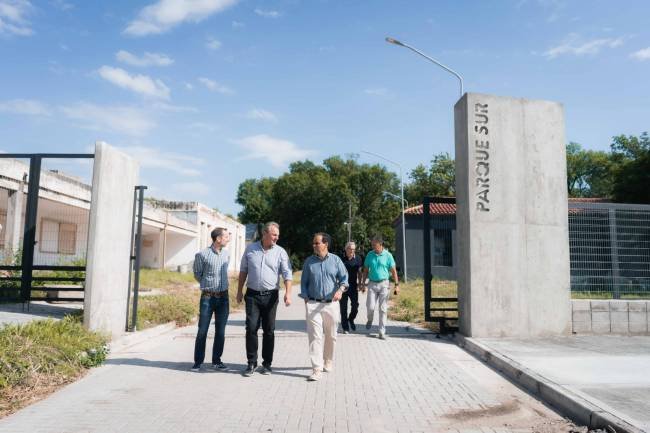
[211,271]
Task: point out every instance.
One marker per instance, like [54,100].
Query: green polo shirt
[379,265]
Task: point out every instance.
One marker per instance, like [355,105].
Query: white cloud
[277,151]
[214,86]
[28,107]
[150,157]
[192,188]
[238,25]
[13,17]
[380,91]
[642,55]
[574,46]
[62,5]
[147,59]
[261,114]
[165,14]
[126,120]
[268,14]
[188,86]
[213,44]
[174,108]
[141,84]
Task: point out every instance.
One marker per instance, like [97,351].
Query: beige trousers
[322,321]
[378,294]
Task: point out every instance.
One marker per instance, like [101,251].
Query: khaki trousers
[322,321]
[378,294]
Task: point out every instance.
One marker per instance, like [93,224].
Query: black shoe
[266,370]
[220,366]
[250,370]
[353,326]
[196,368]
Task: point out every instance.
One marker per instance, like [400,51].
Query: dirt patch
[511,414]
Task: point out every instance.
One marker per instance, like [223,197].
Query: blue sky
[207,93]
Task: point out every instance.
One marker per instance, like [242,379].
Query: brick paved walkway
[409,383]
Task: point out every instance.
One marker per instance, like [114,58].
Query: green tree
[255,195]
[589,172]
[310,198]
[632,170]
[439,179]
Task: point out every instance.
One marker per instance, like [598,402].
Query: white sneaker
[329,366]
[382,336]
[315,376]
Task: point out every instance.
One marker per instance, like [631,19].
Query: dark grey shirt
[264,266]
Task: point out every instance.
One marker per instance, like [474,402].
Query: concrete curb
[567,402]
[128,340]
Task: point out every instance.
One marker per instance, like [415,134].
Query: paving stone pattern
[411,382]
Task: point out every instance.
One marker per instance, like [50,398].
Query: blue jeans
[220,307]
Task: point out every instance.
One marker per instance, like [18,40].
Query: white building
[170,238]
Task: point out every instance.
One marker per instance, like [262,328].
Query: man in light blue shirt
[261,265]
[323,282]
[211,271]
[378,266]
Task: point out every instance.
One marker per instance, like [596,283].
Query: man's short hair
[325,238]
[268,225]
[377,239]
[219,231]
[350,244]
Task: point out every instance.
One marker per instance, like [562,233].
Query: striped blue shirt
[211,269]
[264,266]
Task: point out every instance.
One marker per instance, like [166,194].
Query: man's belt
[325,301]
[259,292]
[209,294]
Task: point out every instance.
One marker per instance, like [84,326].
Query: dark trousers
[353,295]
[220,308]
[260,308]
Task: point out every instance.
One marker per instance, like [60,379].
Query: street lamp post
[431,59]
[402,198]
[396,197]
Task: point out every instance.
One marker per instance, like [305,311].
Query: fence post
[613,243]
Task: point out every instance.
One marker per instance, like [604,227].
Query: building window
[58,237]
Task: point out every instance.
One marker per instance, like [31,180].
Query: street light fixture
[431,59]
[396,197]
[402,198]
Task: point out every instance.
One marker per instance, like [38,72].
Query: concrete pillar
[512,217]
[14,226]
[109,240]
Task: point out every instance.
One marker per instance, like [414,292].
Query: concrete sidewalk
[607,375]
[411,382]
[19,313]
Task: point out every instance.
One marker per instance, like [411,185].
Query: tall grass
[44,354]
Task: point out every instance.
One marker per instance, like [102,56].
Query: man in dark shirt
[353,264]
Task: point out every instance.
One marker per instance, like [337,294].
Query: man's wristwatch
[343,289]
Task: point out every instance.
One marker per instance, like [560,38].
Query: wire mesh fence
[610,250]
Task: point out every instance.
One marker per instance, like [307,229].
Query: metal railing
[610,250]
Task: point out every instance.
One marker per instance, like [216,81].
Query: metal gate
[46,260]
[440,287]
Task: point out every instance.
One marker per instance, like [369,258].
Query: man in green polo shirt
[377,267]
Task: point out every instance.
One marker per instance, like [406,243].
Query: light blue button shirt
[322,277]
[264,266]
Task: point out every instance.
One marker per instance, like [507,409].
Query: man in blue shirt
[323,282]
[211,271]
[378,266]
[261,265]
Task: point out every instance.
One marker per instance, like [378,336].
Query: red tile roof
[450,208]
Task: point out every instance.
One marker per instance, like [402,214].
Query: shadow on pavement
[205,368]
[41,310]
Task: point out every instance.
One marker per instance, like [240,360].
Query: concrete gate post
[512,221]
[109,240]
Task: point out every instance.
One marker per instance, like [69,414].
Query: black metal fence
[44,226]
[610,250]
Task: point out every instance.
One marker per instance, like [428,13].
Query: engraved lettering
[482,157]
